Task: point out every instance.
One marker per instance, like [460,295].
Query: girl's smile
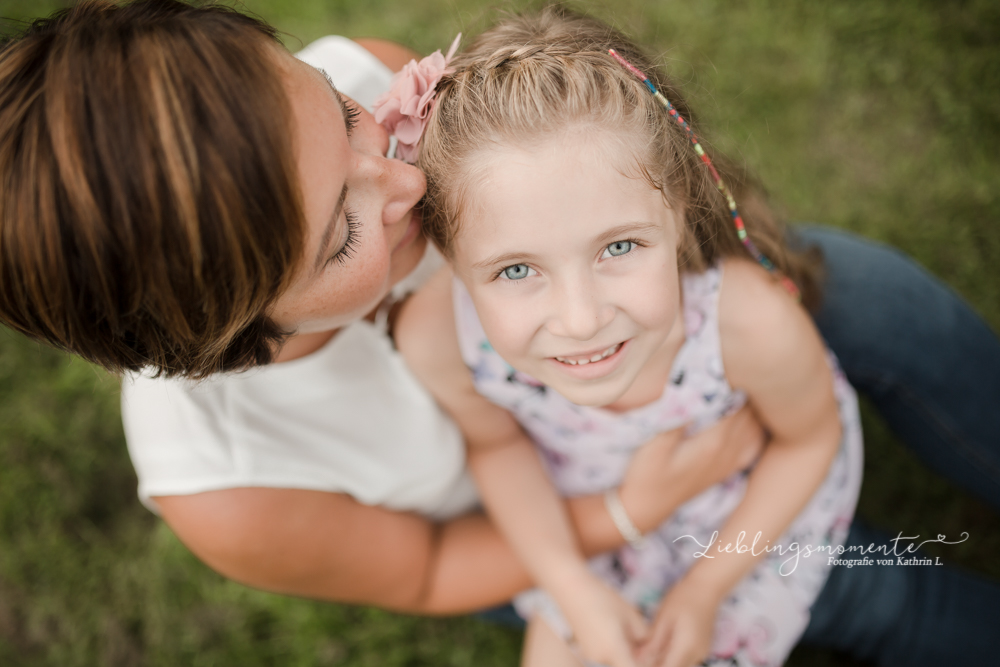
[592,366]
[572,267]
[585,359]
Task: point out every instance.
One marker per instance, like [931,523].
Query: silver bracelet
[619,517]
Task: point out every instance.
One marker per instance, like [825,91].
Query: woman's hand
[683,629]
[607,630]
[668,471]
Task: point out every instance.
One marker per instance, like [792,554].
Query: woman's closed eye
[350,243]
[516,272]
[351,114]
[618,248]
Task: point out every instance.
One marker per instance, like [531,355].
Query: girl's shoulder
[750,295]
[761,326]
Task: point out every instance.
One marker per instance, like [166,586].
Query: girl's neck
[652,381]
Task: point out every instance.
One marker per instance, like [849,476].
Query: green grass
[878,117]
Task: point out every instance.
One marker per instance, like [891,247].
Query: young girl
[603,293]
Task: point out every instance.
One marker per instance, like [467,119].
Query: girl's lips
[591,366]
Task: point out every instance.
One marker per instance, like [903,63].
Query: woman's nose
[404,185]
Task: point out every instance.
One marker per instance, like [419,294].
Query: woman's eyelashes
[350,244]
[351,115]
[348,110]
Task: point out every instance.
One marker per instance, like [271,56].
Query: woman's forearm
[327,546]
[471,567]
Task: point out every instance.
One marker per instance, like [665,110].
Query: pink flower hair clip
[406,107]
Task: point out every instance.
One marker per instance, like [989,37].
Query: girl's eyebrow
[616,233]
[502,259]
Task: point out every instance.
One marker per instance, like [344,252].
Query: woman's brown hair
[149,210]
[534,75]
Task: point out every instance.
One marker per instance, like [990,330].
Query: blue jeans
[931,367]
[927,362]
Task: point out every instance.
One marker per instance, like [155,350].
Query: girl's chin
[592,396]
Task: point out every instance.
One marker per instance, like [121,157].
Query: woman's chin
[407,256]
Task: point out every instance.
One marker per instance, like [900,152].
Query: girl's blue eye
[516,272]
[618,248]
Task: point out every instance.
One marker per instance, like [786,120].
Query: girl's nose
[579,312]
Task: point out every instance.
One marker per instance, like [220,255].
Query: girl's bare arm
[772,350]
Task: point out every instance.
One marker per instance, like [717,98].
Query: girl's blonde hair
[533,76]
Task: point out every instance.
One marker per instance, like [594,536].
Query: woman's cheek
[373,271]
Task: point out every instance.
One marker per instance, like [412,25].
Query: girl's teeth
[597,357]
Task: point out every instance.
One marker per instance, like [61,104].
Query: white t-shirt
[347,418]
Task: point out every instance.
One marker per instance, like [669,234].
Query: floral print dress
[586,450]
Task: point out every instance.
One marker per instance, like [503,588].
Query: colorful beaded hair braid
[737,220]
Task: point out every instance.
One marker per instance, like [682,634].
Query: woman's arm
[328,546]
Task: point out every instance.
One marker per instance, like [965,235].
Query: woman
[153,218]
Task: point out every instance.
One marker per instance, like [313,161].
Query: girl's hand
[668,470]
[607,629]
[683,629]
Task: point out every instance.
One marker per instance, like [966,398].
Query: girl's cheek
[659,306]
[507,328]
